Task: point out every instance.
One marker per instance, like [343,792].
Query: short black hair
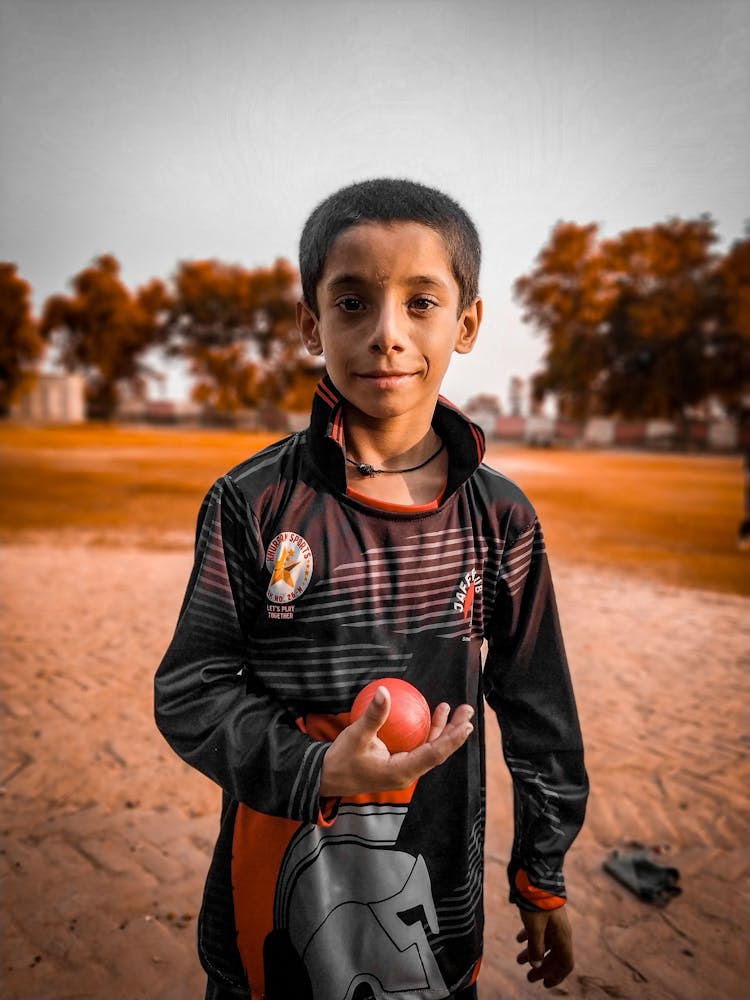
[390,200]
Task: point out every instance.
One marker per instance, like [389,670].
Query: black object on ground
[647,878]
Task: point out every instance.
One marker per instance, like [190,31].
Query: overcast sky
[161,130]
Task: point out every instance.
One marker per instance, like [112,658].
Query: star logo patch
[289,559]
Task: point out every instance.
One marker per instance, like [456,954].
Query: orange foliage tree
[21,345]
[645,324]
[237,329]
[103,329]
[729,340]
[567,297]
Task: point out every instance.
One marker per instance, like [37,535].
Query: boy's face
[388,318]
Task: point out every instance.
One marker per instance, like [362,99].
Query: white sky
[161,130]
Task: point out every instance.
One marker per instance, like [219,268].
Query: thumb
[376,712]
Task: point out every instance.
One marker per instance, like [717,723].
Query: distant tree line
[234,327]
[648,323]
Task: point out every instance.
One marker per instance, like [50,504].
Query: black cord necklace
[368,470]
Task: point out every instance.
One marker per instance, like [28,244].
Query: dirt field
[673,517]
[105,835]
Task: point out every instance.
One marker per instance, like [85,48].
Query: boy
[373,544]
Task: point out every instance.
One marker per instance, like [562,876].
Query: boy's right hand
[358,762]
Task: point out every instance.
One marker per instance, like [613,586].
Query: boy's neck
[395,445]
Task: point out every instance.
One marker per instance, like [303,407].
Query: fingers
[438,748]
[439,720]
[549,946]
[358,762]
[462,715]
[444,738]
[552,971]
[456,732]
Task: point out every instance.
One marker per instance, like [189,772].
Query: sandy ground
[106,835]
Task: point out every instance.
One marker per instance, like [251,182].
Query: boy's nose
[386,335]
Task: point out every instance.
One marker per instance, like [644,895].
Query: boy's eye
[423,304]
[350,303]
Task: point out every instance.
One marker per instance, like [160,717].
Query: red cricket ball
[408,724]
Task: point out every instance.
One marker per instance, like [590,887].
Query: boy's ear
[307,324]
[468,327]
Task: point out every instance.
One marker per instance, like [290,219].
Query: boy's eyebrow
[345,279]
[427,279]
[340,280]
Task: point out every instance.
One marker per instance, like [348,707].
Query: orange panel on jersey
[539,897]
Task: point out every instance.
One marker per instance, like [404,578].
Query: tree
[298,398]
[104,329]
[728,347]
[657,330]
[568,297]
[237,329]
[21,345]
[640,324]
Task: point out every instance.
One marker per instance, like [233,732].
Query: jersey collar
[463,439]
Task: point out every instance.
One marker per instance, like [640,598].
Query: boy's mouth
[387,379]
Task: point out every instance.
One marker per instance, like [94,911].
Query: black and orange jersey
[300,594]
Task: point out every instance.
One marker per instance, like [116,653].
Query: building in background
[55,397]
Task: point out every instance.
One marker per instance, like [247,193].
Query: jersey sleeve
[527,683]
[208,706]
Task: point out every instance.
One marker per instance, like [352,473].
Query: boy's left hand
[549,946]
